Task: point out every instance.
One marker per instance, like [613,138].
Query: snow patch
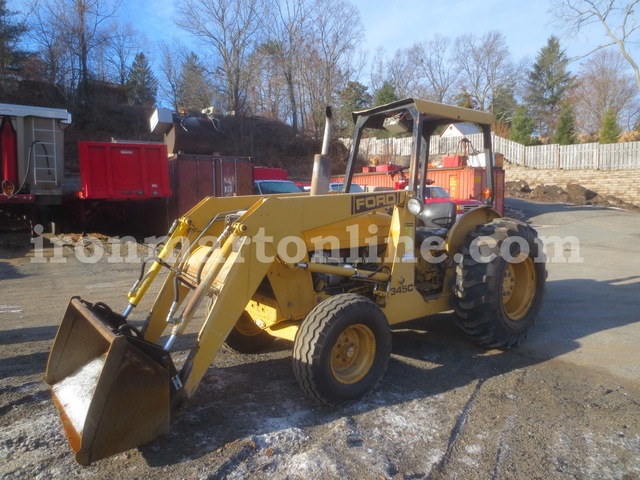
[75,392]
[286,439]
[10,309]
[473,449]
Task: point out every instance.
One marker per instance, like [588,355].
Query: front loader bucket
[111,388]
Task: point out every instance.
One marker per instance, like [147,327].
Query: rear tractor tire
[247,337]
[342,349]
[499,284]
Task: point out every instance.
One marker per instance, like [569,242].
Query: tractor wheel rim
[353,354]
[247,327]
[519,288]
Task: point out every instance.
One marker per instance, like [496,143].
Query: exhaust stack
[321,176]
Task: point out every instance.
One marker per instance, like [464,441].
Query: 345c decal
[401,289]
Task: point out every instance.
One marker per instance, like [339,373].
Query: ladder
[43,151]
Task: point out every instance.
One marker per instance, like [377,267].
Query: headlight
[414,205]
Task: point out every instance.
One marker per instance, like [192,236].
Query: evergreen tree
[465,99]
[195,91]
[353,97]
[610,131]
[566,127]
[385,94]
[11,57]
[547,84]
[522,126]
[142,85]
[504,103]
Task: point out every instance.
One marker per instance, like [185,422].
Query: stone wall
[624,184]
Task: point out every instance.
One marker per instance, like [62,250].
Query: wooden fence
[585,156]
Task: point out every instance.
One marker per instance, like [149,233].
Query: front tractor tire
[247,337]
[342,349]
[499,284]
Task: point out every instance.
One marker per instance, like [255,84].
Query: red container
[372,181]
[195,177]
[269,173]
[121,171]
[450,161]
[468,182]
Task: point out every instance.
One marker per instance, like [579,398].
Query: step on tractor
[332,272]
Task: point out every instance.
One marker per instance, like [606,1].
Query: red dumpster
[123,171]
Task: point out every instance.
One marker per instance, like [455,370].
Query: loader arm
[200,224]
[236,269]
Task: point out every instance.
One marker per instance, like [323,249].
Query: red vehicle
[434,193]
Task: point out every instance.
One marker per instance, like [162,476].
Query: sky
[393,24]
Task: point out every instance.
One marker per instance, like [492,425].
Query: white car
[337,187]
[267,187]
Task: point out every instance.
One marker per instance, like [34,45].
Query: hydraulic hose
[26,172]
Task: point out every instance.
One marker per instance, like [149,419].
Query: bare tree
[73,29]
[269,93]
[402,73]
[605,85]
[433,64]
[312,89]
[330,52]
[113,57]
[485,67]
[56,57]
[422,70]
[171,60]
[433,72]
[378,72]
[230,29]
[617,18]
[123,45]
[286,23]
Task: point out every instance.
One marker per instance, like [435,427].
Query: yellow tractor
[332,272]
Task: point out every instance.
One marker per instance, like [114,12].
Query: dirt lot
[563,405]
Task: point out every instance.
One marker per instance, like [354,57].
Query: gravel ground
[445,408]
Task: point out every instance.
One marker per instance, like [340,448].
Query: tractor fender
[467,224]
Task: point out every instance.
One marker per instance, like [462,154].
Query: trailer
[31,158]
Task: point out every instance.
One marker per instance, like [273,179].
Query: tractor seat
[435,220]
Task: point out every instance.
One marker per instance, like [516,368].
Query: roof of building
[460,129]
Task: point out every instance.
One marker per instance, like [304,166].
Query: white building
[460,130]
